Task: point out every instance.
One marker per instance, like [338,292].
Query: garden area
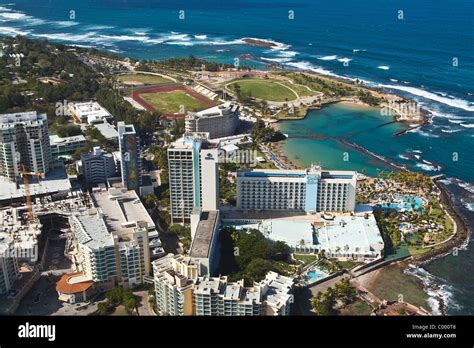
[248,255]
[119,301]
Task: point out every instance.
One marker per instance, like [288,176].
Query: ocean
[422,49]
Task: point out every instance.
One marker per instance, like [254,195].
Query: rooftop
[276,289]
[121,208]
[56,140]
[107,130]
[29,117]
[73,283]
[125,128]
[96,152]
[207,286]
[356,234]
[94,233]
[278,230]
[168,269]
[296,173]
[93,111]
[226,109]
[352,234]
[201,244]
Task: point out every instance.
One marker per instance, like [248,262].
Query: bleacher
[205,92]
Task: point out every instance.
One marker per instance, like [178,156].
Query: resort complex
[167,190]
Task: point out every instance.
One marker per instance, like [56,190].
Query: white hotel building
[311,190]
[193,176]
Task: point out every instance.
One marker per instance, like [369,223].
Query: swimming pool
[404,203]
[314,275]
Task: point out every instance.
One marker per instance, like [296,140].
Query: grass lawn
[347,264]
[265,165]
[414,251]
[143,79]
[392,282]
[270,90]
[171,102]
[306,258]
[359,307]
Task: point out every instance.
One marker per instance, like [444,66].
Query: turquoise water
[314,275]
[405,203]
[339,121]
[363,126]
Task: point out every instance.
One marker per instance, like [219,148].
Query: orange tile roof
[64,285]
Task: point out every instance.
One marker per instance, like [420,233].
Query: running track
[161,89]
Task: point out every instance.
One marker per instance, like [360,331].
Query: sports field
[270,90]
[173,102]
[142,79]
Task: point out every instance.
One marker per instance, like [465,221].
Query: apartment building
[96,246]
[128,220]
[311,190]
[106,257]
[215,296]
[9,270]
[24,144]
[130,163]
[174,276]
[98,166]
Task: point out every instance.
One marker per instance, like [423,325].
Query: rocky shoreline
[462,232]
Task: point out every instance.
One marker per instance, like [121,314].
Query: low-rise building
[107,130]
[89,112]
[344,236]
[74,287]
[277,294]
[63,148]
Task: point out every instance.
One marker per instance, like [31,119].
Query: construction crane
[26,181]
